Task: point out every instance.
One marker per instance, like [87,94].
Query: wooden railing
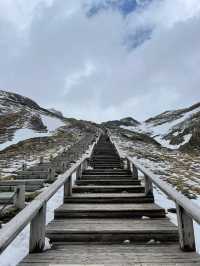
[186,210]
[35,212]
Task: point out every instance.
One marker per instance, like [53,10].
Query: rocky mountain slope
[28,131]
[127,121]
[22,118]
[177,129]
[168,144]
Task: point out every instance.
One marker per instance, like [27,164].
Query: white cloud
[81,65]
[77,77]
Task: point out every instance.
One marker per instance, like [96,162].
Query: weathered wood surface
[123,224]
[186,229]
[37,231]
[114,255]
[17,224]
[109,230]
[108,207]
[108,198]
[5,196]
[108,189]
[189,206]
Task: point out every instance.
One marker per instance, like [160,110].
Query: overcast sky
[102,59]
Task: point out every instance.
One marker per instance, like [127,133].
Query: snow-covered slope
[21,118]
[178,128]
[172,129]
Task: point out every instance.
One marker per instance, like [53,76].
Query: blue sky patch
[138,37]
[123,6]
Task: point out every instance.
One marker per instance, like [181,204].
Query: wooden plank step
[5,196]
[24,181]
[114,231]
[107,189]
[105,157]
[107,165]
[29,188]
[107,177]
[108,182]
[32,176]
[90,254]
[118,172]
[105,162]
[30,184]
[127,210]
[109,198]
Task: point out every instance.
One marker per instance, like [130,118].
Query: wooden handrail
[186,210]
[190,207]
[34,212]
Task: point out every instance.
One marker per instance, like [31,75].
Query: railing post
[185,229]
[19,198]
[128,165]
[79,172]
[37,231]
[122,162]
[148,186]
[68,187]
[84,165]
[134,172]
[41,159]
[64,167]
[51,174]
[24,166]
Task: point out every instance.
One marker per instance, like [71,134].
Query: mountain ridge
[173,129]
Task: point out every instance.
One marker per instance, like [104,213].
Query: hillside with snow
[21,118]
[177,129]
[28,131]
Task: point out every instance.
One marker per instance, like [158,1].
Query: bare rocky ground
[29,151]
[179,168]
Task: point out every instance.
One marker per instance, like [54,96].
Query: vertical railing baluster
[185,229]
[19,198]
[37,231]
[79,172]
[134,172]
[148,186]
[128,164]
[51,174]
[68,187]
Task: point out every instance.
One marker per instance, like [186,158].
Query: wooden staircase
[108,220]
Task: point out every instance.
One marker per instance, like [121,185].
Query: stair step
[107,189]
[108,182]
[103,172]
[25,181]
[5,197]
[105,162]
[30,184]
[109,198]
[107,167]
[127,210]
[79,254]
[113,231]
[31,176]
[107,177]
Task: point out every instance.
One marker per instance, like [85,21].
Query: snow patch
[19,248]
[20,135]
[52,123]
[25,133]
